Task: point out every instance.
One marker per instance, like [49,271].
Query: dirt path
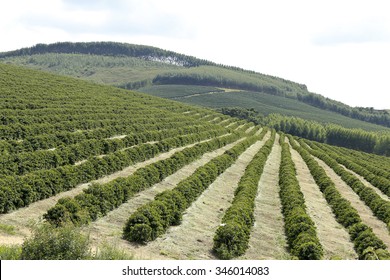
[193,239]
[364,211]
[267,239]
[22,217]
[109,228]
[225,90]
[333,236]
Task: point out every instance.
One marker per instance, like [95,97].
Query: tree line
[357,139]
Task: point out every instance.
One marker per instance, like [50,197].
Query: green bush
[230,241]
[98,200]
[50,243]
[167,208]
[308,251]
[10,252]
[299,228]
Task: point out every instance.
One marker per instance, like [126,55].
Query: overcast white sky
[340,49]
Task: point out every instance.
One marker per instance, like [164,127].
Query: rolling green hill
[261,102]
[134,66]
[123,167]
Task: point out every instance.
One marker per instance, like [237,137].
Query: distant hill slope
[261,102]
[135,66]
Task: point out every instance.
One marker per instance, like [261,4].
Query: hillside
[185,182]
[135,66]
[261,102]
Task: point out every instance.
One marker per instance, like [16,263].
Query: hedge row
[232,237]
[236,125]
[58,138]
[20,191]
[372,174]
[299,228]
[379,165]
[77,115]
[154,218]
[367,244]
[99,199]
[379,206]
[23,163]
[20,131]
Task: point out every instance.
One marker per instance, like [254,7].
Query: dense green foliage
[153,219]
[299,228]
[59,132]
[367,244]
[232,237]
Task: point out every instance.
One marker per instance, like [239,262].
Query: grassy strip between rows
[20,191]
[299,228]
[374,175]
[98,199]
[367,245]
[154,218]
[379,206]
[232,237]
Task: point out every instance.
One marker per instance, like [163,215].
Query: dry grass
[109,228]
[21,219]
[193,239]
[364,211]
[333,236]
[267,239]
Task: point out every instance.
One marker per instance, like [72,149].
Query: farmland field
[167,180]
[261,102]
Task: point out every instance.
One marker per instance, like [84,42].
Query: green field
[93,165]
[134,66]
[264,103]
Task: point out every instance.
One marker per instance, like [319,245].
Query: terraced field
[165,180]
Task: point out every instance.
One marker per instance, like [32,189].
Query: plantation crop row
[19,132]
[373,174]
[232,237]
[379,206]
[366,243]
[97,200]
[154,218]
[24,163]
[381,162]
[299,227]
[57,139]
[20,191]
